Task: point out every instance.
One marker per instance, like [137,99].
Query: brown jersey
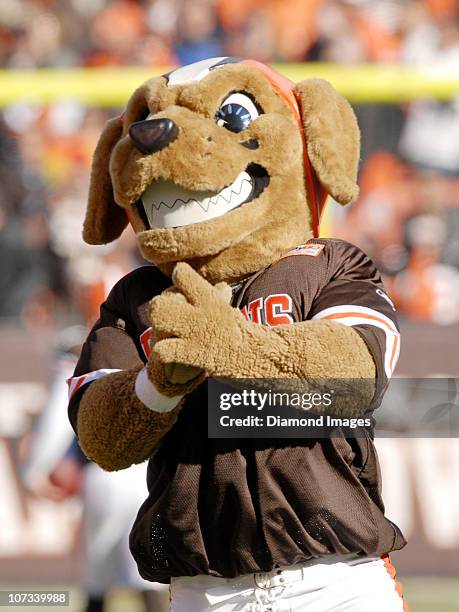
[235,506]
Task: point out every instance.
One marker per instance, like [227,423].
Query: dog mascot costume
[222,168]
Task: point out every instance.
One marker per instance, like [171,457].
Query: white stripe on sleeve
[76,382]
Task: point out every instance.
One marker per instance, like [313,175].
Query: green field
[422,595]
[432,594]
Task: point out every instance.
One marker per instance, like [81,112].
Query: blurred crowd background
[406,218]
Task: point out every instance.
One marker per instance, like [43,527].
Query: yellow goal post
[111,87]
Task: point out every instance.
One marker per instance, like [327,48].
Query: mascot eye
[237,112]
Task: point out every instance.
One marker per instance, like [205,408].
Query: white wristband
[149,395]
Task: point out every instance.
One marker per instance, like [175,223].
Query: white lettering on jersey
[305,249]
[381,293]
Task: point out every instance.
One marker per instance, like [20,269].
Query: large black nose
[153,135]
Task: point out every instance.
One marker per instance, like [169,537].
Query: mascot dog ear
[332,136]
[105,220]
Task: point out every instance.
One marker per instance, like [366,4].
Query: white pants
[324,585]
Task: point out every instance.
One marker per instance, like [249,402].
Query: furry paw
[195,325]
[171,378]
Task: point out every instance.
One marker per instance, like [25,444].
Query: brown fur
[104,220]
[114,428]
[178,378]
[237,244]
[196,332]
[333,138]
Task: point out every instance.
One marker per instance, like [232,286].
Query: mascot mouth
[165,204]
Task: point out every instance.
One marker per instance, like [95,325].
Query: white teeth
[169,205]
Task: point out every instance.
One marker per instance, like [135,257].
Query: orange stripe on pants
[393,574]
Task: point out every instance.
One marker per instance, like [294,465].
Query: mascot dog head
[224,164]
